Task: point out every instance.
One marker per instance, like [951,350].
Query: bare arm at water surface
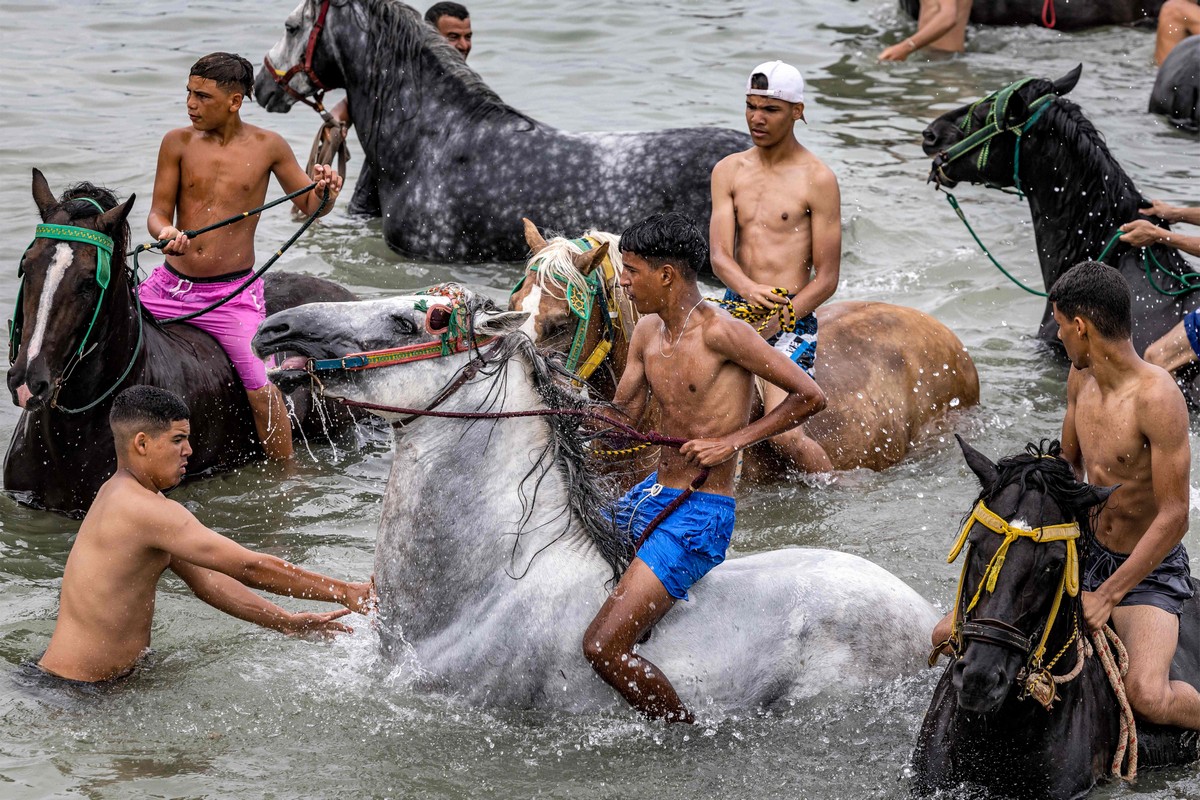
[1148,516]
[740,344]
[173,529]
[941,24]
[226,594]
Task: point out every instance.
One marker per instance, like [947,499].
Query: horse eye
[438,319]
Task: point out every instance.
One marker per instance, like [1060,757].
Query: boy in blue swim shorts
[699,363]
[777,224]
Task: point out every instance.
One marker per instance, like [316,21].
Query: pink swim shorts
[166,294]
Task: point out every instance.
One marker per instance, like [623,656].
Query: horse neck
[461,490]
[1078,194]
[427,94]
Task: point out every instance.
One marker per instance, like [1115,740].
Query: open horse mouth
[292,354]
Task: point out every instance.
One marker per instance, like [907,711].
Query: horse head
[1017,611]
[431,334]
[978,142]
[564,291]
[66,272]
[302,63]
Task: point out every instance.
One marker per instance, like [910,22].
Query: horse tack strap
[397,355]
[1068,584]
[72,233]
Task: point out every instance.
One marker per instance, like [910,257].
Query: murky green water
[225,710]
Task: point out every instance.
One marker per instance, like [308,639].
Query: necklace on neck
[666,333]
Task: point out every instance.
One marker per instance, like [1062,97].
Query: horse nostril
[929,141]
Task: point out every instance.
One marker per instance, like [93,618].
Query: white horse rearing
[493,557]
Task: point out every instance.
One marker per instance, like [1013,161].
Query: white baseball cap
[784,82]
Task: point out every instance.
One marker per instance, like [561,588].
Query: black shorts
[1167,587]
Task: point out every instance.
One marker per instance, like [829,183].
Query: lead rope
[621,430]
[1125,759]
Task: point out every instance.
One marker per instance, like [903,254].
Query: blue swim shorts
[685,545]
[799,345]
[1191,322]
[1167,586]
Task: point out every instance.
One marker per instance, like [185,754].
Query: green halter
[580,303]
[104,250]
[66,233]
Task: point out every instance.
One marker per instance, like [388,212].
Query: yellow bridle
[1069,584]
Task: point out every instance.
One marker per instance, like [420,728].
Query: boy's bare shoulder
[178,138]
[1158,392]
[727,335]
[136,510]
[733,162]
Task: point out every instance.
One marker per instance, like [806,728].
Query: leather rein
[283,77]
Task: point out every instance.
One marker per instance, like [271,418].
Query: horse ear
[111,219]
[42,196]
[532,238]
[1097,495]
[981,465]
[500,323]
[1067,82]
[588,260]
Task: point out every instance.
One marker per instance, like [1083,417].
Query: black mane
[589,499]
[76,209]
[398,34]
[1099,188]
[1042,469]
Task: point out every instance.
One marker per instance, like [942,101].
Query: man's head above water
[452,21]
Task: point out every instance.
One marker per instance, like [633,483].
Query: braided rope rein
[1116,664]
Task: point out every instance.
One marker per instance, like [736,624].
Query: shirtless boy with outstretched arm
[219,167]
[776,222]
[132,534]
[1126,423]
[700,364]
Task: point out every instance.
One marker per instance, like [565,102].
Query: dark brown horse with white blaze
[889,371]
[1042,145]
[79,342]
[1025,708]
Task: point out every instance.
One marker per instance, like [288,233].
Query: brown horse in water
[79,336]
[889,371]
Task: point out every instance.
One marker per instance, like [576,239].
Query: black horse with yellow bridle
[1030,704]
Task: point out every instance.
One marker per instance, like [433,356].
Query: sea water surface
[226,710]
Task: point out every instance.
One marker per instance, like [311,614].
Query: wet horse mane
[399,34]
[557,269]
[1042,469]
[1098,181]
[587,497]
[79,210]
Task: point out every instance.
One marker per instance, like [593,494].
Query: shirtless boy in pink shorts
[214,169]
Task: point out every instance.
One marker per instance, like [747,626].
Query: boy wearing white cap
[776,222]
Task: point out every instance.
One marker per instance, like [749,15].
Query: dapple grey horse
[493,553]
[453,167]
